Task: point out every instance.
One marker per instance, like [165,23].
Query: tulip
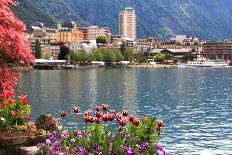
[88,112]
[124,113]
[75,109]
[136,122]
[160,123]
[98,114]
[105,118]
[111,116]
[120,128]
[112,111]
[104,107]
[13,113]
[87,118]
[51,123]
[132,117]
[96,120]
[119,117]
[98,108]
[63,114]
[10,101]
[123,121]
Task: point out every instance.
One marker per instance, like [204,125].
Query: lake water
[196,104]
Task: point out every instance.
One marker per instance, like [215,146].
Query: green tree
[128,54]
[98,56]
[101,39]
[159,57]
[118,55]
[109,56]
[38,53]
[123,48]
[189,57]
[169,56]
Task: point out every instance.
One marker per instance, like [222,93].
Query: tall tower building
[127,23]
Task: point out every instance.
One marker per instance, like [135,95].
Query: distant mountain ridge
[29,13]
[161,18]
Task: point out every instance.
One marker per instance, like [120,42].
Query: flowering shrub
[14,113]
[14,48]
[133,135]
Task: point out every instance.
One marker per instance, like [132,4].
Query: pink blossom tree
[14,49]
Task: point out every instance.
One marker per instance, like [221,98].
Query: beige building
[127,23]
[92,32]
[69,33]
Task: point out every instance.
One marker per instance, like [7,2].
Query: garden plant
[106,132]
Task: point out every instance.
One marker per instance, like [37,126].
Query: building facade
[92,32]
[69,33]
[218,50]
[127,23]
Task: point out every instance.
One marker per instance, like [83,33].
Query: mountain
[161,18]
[29,13]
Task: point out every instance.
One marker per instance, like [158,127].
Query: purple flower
[79,133]
[48,142]
[73,140]
[146,145]
[140,148]
[49,149]
[129,151]
[160,150]
[160,147]
[64,134]
[56,153]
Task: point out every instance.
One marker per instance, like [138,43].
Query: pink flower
[13,113]
[23,99]
[3,106]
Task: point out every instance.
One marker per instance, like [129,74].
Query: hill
[162,18]
[29,13]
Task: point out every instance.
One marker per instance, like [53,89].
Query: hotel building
[127,23]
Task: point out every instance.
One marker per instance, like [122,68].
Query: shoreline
[86,67]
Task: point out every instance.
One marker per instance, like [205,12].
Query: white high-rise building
[127,23]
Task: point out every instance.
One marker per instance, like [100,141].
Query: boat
[204,63]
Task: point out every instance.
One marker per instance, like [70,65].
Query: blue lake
[196,104]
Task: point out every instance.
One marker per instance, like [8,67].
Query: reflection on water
[195,103]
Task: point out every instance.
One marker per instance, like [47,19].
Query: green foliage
[38,53]
[101,39]
[159,57]
[169,56]
[102,54]
[118,55]
[81,57]
[128,54]
[189,57]
[98,55]
[106,140]
[109,56]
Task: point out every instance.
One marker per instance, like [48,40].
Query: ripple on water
[194,103]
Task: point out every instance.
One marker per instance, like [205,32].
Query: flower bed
[14,113]
[132,136]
